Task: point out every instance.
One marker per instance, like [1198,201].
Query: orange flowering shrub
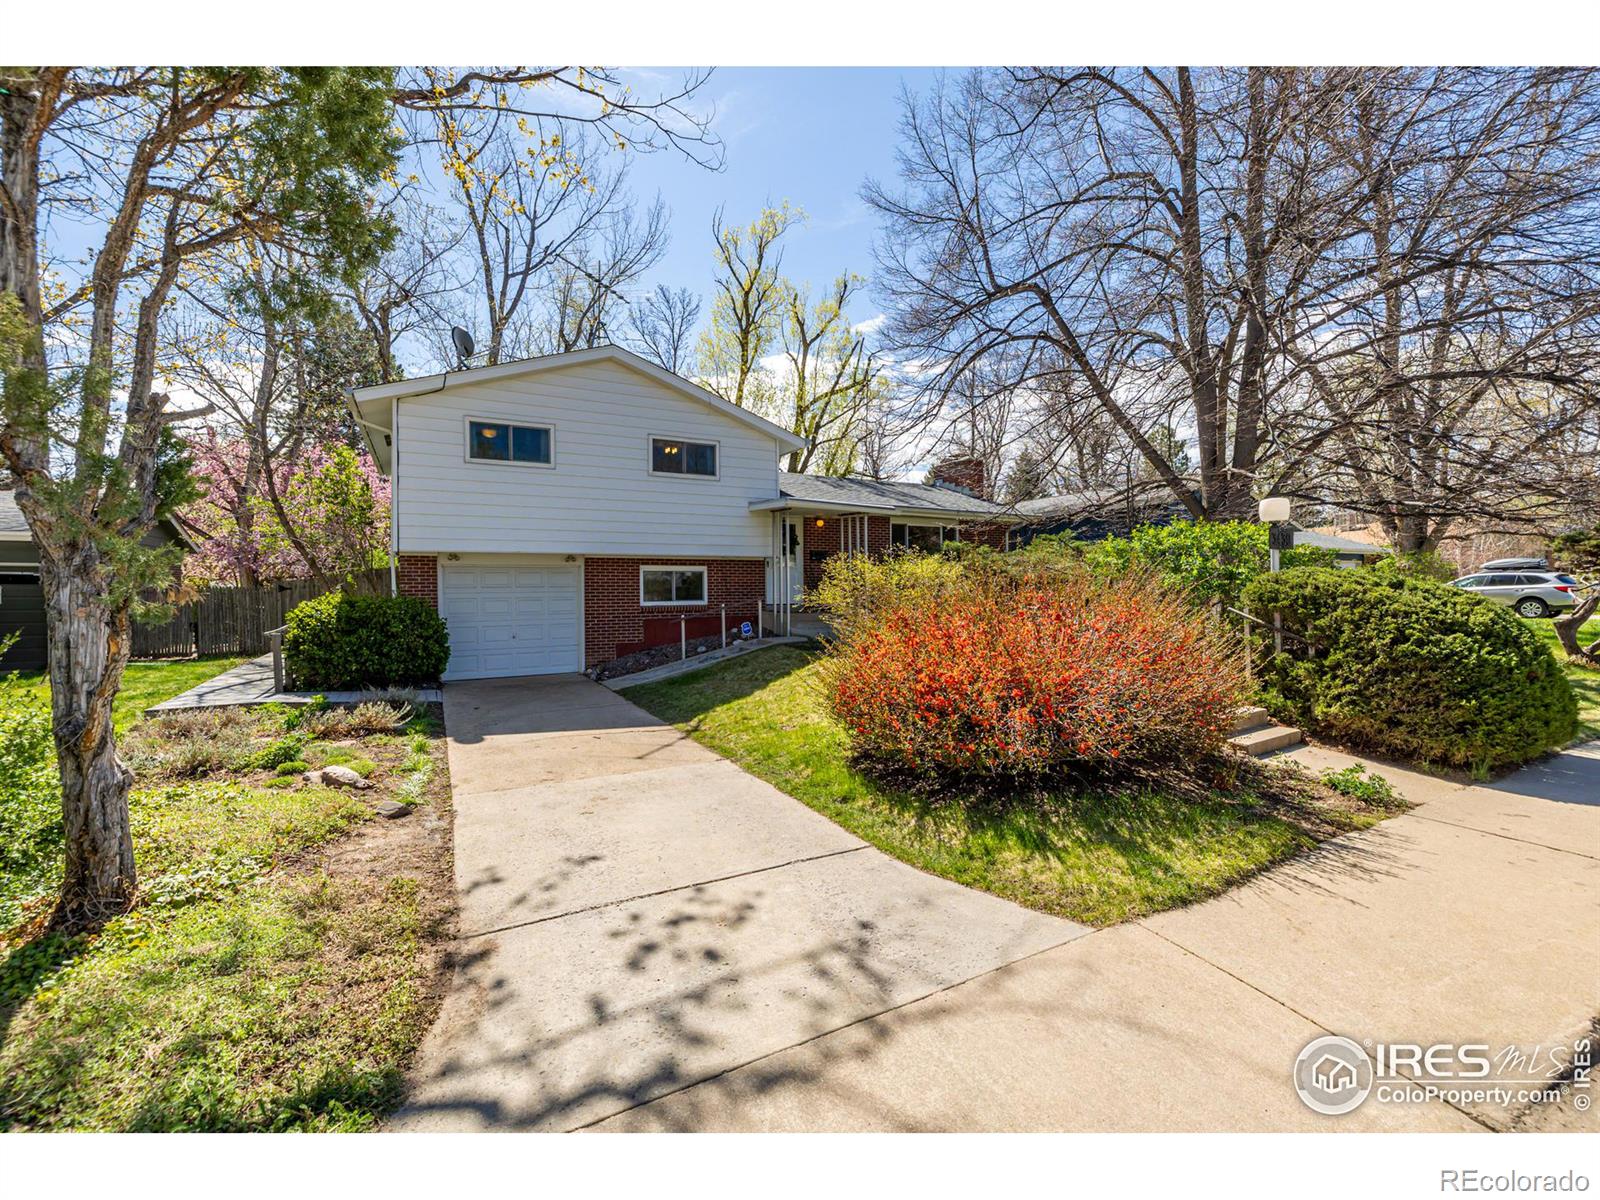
[1027,676]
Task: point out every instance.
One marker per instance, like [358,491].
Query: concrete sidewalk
[651,938]
[252,682]
[1475,917]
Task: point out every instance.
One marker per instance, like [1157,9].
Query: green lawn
[147,683]
[1098,858]
[1585,680]
[284,961]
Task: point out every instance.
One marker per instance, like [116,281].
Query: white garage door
[513,620]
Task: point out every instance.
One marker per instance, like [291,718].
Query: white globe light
[1275,508]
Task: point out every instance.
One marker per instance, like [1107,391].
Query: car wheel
[1532,606]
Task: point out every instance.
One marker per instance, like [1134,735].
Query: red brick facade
[825,539]
[615,623]
[418,575]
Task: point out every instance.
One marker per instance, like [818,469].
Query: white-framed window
[681,456]
[510,442]
[671,585]
[912,536]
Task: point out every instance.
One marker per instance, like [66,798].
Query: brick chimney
[965,474]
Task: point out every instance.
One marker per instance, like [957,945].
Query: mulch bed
[655,656]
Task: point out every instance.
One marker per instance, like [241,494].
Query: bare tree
[594,276]
[1364,286]
[1081,222]
[1448,327]
[413,286]
[662,327]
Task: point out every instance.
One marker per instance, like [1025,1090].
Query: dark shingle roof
[1144,497]
[884,493]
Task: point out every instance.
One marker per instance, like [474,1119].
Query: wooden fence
[233,620]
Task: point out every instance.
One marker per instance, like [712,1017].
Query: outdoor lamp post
[1274,511]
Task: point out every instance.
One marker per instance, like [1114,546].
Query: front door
[795,539]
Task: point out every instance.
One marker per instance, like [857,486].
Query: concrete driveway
[639,915]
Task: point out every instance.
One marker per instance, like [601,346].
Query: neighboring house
[1093,515]
[564,511]
[1348,551]
[21,598]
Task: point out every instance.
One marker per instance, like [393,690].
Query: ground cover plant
[1412,668]
[285,954]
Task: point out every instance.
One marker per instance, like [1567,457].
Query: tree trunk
[89,646]
[1567,629]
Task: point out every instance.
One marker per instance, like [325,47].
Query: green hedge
[341,642]
[1412,668]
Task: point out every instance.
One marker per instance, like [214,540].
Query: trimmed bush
[1026,676]
[1412,668]
[345,642]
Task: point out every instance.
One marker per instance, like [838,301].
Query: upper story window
[675,456]
[504,442]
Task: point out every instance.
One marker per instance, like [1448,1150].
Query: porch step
[1250,718]
[1265,739]
[1256,733]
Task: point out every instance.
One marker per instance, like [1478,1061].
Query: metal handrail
[1277,630]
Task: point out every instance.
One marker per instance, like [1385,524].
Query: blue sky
[810,136]
[807,135]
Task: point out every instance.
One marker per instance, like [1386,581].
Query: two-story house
[563,511]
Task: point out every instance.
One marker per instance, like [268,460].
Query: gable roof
[880,495]
[370,407]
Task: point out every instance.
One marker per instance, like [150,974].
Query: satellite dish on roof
[463,343]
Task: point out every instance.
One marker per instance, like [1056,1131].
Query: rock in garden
[393,809]
[336,776]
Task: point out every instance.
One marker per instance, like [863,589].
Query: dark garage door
[22,613]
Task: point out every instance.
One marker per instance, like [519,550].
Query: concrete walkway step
[1250,717]
[1266,739]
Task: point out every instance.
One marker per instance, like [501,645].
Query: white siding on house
[600,497]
